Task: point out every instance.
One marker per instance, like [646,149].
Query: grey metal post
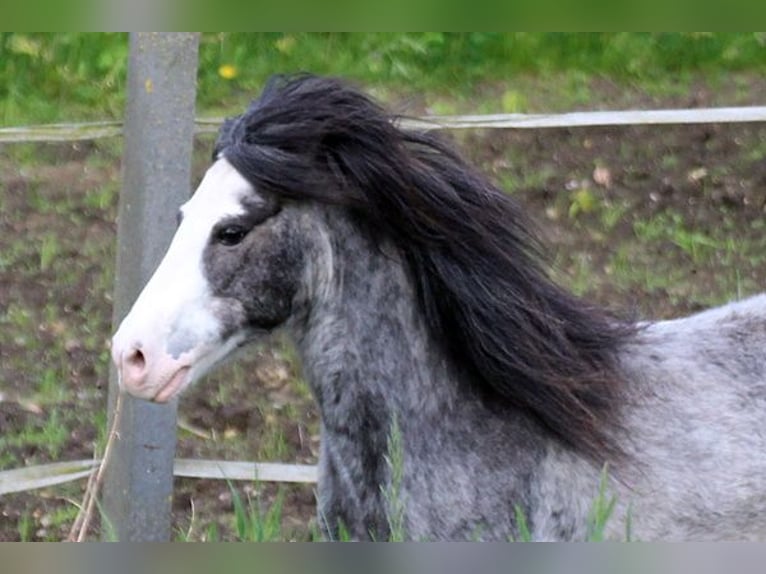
[158,137]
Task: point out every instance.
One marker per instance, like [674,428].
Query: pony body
[468,464]
[416,296]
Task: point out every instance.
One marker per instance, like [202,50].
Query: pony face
[232,272]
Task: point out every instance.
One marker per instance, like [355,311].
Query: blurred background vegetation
[81,76]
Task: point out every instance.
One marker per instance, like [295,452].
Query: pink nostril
[136,360]
[134,367]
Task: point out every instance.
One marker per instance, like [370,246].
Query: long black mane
[476,266]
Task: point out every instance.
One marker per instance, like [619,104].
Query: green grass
[75,76]
[254,524]
[601,510]
[49,250]
[514,180]
[396,502]
[255,520]
[600,514]
[521,525]
[48,437]
[26,527]
[60,517]
[671,228]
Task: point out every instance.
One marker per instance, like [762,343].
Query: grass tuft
[252,523]
[396,503]
[521,525]
[601,510]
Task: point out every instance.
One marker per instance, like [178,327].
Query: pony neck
[370,360]
[364,342]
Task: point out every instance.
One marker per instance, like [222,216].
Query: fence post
[158,138]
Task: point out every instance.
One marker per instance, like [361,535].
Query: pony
[424,315]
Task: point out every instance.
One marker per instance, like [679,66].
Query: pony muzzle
[145,375]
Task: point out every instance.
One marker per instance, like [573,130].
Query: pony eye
[230,235]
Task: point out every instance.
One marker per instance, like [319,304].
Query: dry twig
[82,523]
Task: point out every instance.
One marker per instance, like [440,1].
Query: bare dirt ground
[653,221]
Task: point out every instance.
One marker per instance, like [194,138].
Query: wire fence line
[105,129]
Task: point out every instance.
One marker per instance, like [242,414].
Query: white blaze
[172,324]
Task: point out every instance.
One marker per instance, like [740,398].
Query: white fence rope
[97,130]
[45,475]
[594,119]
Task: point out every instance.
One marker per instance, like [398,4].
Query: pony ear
[225,135]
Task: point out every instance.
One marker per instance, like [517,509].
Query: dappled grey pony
[415,295]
